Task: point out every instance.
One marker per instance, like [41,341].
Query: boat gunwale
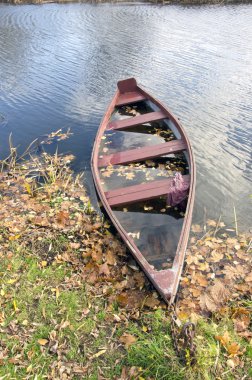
[155,276]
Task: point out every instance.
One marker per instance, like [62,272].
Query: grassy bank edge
[72,304]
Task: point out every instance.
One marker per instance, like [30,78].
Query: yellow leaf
[42,342]
[44,312]
[203,266]
[12,281]
[144,328]
[11,238]
[2,292]
[15,305]
[129,175]
[28,188]
[57,293]
[56,290]
[99,354]
[107,225]
[43,263]
[28,369]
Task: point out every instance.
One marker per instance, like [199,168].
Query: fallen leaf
[233,349]
[201,280]
[97,255]
[64,324]
[62,217]
[43,342]
[214,297]
[196,228]
[131,300]
[211,223]
[230,363]
[99,353]
[15,306]
[127,339]
[151,302]
[216,256]
[129,175]
[104,269]
[223,339]
[110,258]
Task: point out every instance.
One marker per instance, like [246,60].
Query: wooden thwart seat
[142,192]
[133,121]
[129,97]
[142,154]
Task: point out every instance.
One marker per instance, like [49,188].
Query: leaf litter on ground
[69,293]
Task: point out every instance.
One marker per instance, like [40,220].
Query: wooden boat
[138,152]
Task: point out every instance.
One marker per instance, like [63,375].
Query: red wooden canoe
[144,173]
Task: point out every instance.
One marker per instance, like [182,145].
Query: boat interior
[139,154]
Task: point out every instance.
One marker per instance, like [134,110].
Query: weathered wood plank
[141,154]
[130,97]
[142,192]
[133,121]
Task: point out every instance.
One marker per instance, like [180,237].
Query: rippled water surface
[59,65]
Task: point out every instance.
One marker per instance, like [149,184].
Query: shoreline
[73,303]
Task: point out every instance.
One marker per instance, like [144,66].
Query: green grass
[39,311]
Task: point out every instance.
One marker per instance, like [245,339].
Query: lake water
[59,65]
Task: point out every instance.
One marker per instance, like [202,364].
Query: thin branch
[236,225]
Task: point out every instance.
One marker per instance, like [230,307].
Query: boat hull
[166,281]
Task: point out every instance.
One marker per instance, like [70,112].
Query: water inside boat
[153,224]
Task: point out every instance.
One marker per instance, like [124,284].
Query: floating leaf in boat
[107,173]
[105,150]
[125,209]
[134,235]
[196,228]
[211,223]
[129,175]
[150,163]
[148,208]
